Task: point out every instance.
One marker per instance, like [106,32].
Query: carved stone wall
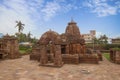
[9,47]
[64,48]
[115,56]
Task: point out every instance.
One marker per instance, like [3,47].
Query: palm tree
[20,26]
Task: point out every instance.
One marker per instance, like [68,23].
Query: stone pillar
[67,49]
[78,48]
[44,57]
[58,57]
[83,49]
[117,57]
[71,49]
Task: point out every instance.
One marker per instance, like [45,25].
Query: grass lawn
[106,55]
[22,51]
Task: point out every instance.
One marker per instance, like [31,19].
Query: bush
[25,49]
[22,47]
[109,46]
[116,49]
[103,46]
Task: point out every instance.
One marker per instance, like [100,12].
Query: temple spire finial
[72,19]
[50,30]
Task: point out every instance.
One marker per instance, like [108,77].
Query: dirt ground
[24,69]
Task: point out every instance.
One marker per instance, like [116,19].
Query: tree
[103,39]
[96,41]
[20,26]
[29,36]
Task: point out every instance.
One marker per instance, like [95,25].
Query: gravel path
[24,69]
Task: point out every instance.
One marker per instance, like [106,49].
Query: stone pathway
[24,69]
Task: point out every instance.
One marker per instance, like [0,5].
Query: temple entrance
[63,49]
[52,59]
[1,56]
[49,51]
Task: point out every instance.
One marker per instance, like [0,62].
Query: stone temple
[54,49]
[9,47]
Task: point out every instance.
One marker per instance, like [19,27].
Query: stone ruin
[54,49]
[9,47]
[115,56]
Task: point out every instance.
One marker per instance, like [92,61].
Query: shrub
[116,49]
[25,49]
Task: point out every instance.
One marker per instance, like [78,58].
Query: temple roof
[50,37]
[72,29]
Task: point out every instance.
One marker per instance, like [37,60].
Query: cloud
[105,10]
[36,13]
[57,7]
[30,12]
[12,10]
[98,34]
[102,7]
[50,10]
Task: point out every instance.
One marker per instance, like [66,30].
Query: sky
[40,16]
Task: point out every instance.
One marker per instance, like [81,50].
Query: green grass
[22,51]
[106,55]
[25,51]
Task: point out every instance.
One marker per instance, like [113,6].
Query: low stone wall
[70,59]
[88,58]
[100,57]
[99,54]
[35,57]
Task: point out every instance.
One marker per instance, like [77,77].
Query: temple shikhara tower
[54,49]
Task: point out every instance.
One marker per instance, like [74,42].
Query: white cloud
[30,12]
[98,34]
[102,7]
[50,10]
[12,10]
[57,7]
[105,10]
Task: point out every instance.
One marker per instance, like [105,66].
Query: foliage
[102,43]
[25,37]
[109,46]
[103,46]
[107,56]
[102,40]
[116,49]
[20,26]
[24,49]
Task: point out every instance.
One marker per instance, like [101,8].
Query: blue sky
[41,15]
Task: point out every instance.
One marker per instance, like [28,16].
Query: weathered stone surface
[99,55]
[65,47]
[70,59]
[115,56]
[9,47]
[43,56]
[58,57]
[24,69]
[88,58]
